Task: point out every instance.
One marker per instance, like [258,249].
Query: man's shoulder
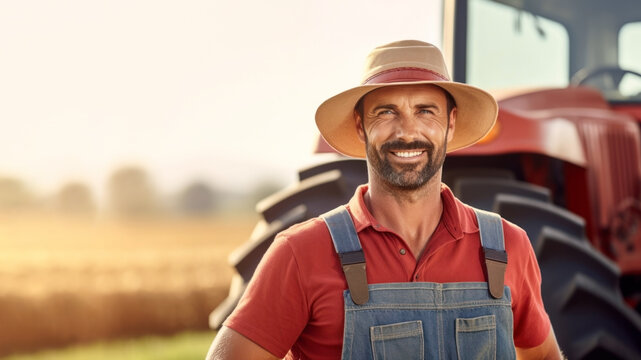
[309,244]
[516,241]
[311,226]
[311,232]
[467,215]
[515,237]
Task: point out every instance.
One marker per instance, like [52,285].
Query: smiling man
[404,270]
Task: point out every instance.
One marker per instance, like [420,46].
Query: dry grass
[70,280]
[183,346]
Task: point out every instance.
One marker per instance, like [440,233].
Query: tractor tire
[580,286]
[319,189]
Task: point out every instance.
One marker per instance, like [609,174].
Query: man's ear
[451,126]
[358,122]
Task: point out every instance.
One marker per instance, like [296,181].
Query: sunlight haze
[220,91]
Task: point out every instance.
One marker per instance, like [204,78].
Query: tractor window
[508,48]
[630,59]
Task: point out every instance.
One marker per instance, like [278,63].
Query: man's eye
[385,112]
[425,111]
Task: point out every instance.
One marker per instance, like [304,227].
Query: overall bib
[423,320]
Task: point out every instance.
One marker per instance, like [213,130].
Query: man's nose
[407,128]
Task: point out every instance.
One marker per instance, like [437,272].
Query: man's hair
[451,104]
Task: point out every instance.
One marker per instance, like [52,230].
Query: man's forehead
[422,92]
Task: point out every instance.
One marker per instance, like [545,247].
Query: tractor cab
[513,44]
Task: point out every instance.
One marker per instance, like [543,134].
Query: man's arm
[231,345]
[548,350]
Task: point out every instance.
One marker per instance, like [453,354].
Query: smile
[407,154]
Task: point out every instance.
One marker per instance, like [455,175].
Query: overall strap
[493,243]
[341,228]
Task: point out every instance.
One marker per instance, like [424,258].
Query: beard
[405,176]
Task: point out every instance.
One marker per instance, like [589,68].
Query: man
[405,270]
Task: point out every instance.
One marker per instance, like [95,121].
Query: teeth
[407,154]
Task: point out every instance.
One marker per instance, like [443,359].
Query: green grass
[184,346]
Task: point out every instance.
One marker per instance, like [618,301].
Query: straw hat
[407,62]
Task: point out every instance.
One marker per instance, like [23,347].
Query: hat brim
[476,114]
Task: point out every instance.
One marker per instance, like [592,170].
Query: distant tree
[75,198]
[14,194]
[131,193]
[197,198]
[264,189]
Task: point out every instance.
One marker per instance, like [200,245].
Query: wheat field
[66,280]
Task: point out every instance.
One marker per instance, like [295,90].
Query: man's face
[406,130]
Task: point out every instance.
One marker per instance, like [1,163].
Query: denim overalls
[423,320]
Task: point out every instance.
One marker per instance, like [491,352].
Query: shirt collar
[456,219]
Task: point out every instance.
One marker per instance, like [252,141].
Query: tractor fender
[513,132]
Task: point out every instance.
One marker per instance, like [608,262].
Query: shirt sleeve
[531,321]
[273,311]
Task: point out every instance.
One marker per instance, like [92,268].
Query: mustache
[402,145]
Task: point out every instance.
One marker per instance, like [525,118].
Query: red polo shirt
[294,305]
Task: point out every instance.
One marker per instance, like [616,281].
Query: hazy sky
[220,90]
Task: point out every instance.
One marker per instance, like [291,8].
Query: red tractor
[563,160]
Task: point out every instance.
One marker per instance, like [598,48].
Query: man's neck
[414,215]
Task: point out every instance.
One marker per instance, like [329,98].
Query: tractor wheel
[580,286]
[319,189]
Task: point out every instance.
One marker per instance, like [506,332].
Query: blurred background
[136,138]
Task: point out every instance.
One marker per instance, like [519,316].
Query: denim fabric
[422,320]
[429,321]
[341,228]
[477,333]
[390,340]
[491,229]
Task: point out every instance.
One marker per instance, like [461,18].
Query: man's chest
[386,262]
